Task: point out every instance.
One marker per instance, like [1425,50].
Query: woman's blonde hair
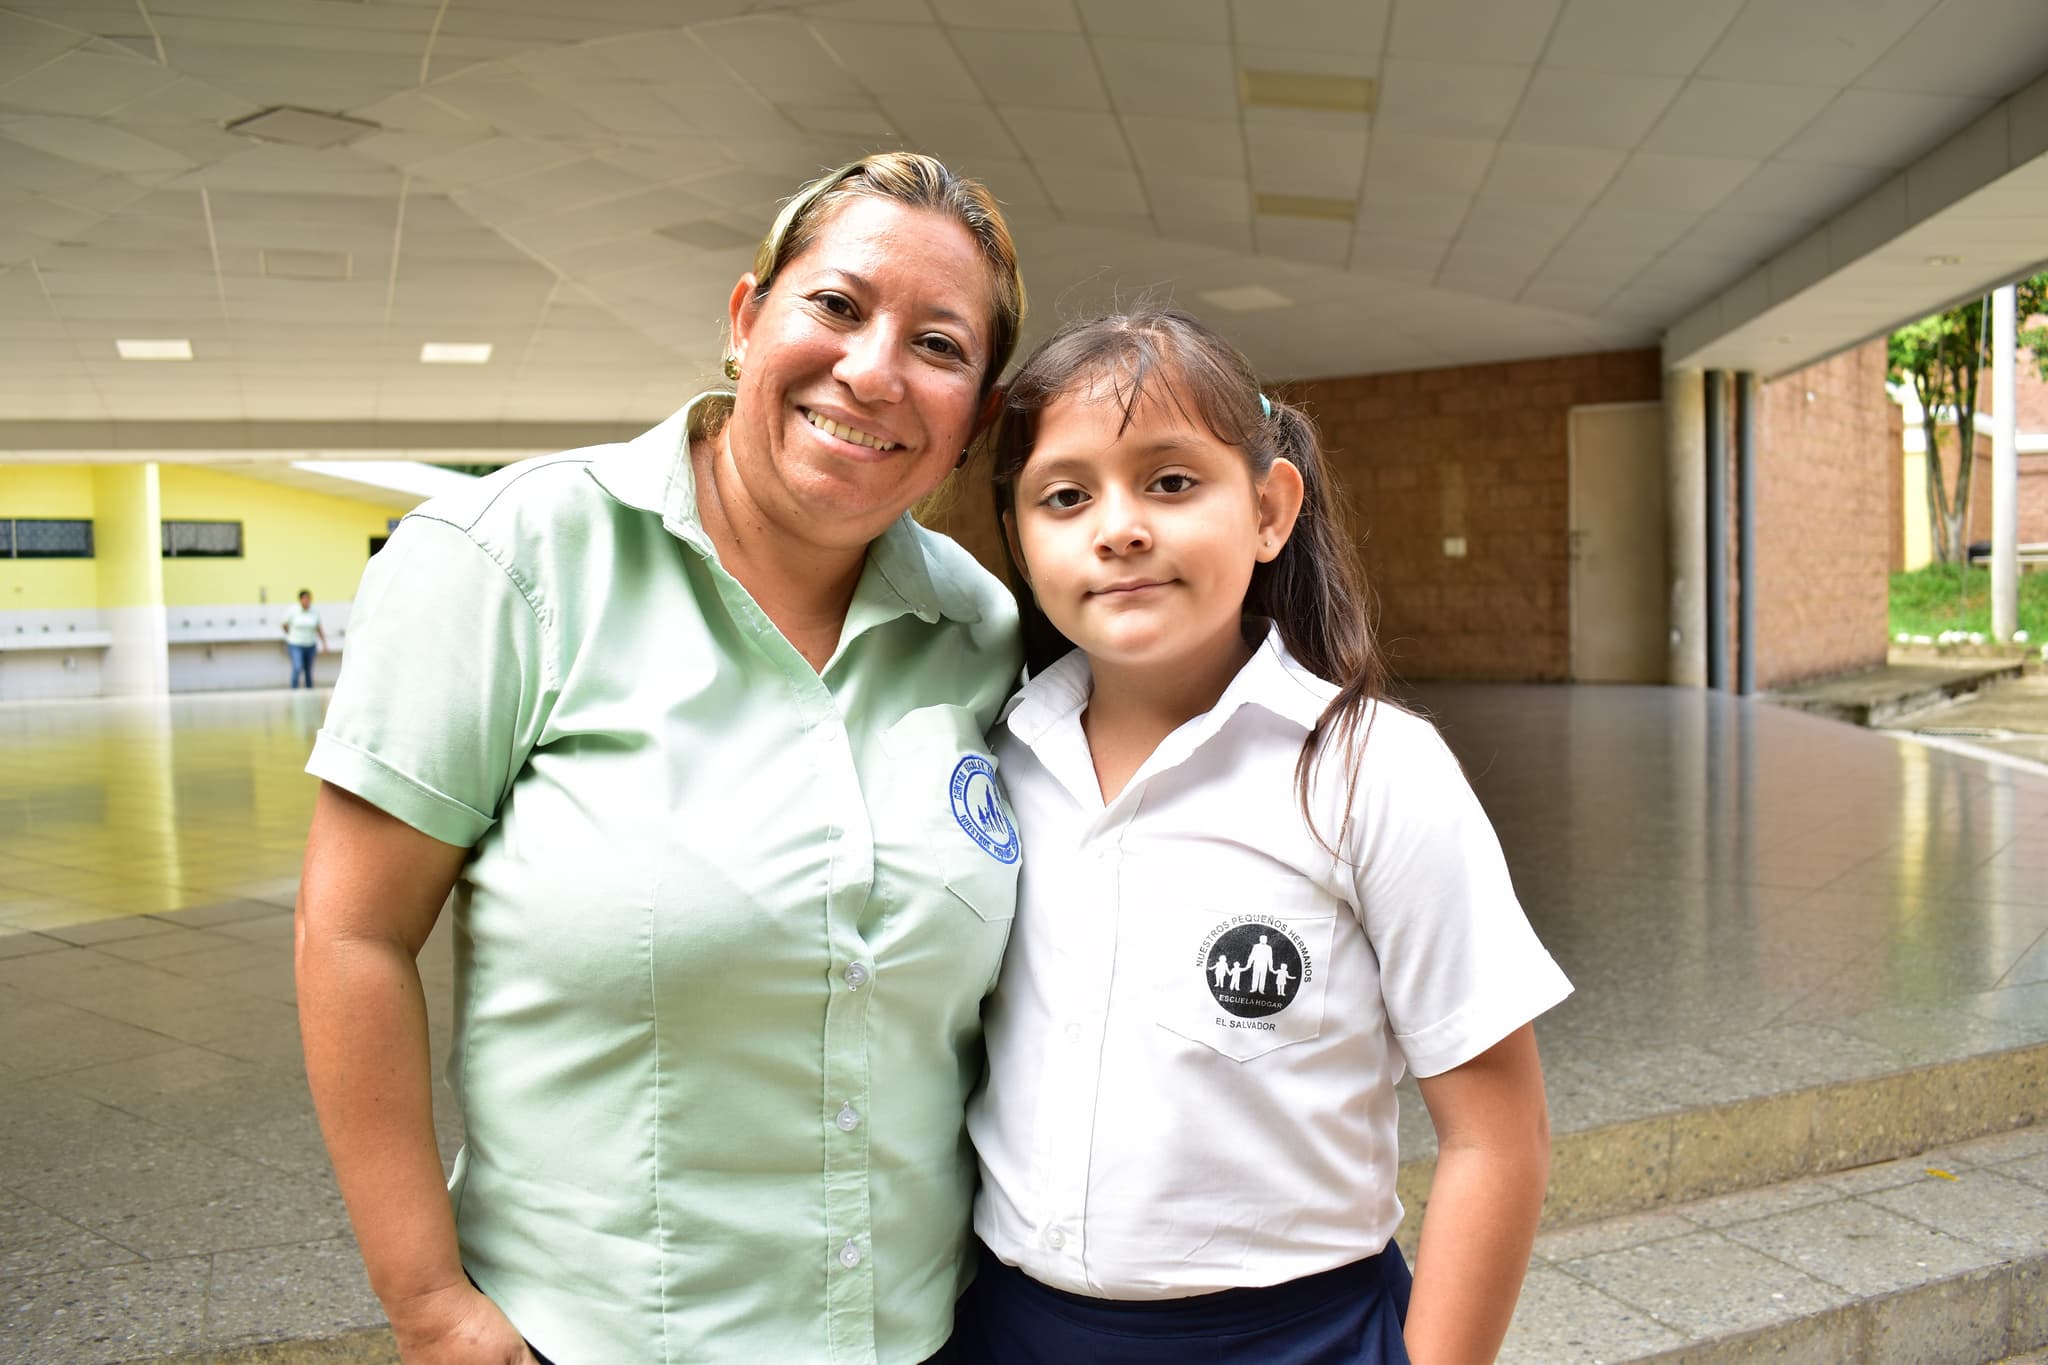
[921,182]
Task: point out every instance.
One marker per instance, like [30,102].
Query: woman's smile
[849,432]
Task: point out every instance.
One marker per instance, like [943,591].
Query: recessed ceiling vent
[1307,90]
[296,127]
[306,265]
[1316,206]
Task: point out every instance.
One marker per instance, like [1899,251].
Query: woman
[692,727]
[303,637]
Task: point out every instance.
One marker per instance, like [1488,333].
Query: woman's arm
[372,888]
[1492,1163]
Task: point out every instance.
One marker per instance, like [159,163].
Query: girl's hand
[457,1325]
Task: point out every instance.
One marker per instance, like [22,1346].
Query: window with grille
[207,539]
[45,538]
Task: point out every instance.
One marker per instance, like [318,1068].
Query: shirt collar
[1272,679]
[653,472]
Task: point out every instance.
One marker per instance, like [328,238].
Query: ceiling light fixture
[1306,90]
[289,124]
[455,353]
[1944,260]
[179,349]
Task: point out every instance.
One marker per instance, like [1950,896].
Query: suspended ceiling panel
[577,185]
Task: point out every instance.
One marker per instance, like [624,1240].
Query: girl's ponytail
[1315,592]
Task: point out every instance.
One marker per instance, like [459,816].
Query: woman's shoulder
[968,591]
[526,497]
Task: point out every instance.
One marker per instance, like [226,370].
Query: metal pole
[2005,475]
[1745,536]
[1717,529]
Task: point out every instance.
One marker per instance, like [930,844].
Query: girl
[1253,891]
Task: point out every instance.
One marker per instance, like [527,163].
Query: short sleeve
[1460,967]
[442,688]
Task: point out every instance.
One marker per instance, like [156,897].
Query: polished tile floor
[1749,900]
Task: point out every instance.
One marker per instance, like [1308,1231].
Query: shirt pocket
[941,767]
[1246,981]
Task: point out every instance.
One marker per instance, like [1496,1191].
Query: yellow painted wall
[47,490]
[291,539]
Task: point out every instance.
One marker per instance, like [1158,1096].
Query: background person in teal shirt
[692,729]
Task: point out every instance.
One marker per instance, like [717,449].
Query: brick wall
[1828,479]
[1481,452]
[1478,451]
[2028,386]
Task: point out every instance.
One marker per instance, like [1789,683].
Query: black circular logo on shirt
[1254,966]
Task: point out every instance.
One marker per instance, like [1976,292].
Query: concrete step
[1662,1159]
[1894,691]
[1933,1259]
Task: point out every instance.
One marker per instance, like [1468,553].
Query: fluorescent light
[179,349]
[455,353]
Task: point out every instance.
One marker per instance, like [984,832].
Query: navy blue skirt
[1348,1316]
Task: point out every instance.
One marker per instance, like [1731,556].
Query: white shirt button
[856,975]
[1073,1033]
[848,1120]
[1055,1238]
[849,1255]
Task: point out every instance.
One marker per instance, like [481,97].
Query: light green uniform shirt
[722,945]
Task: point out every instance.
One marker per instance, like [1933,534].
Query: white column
[127,530]
[2005,472]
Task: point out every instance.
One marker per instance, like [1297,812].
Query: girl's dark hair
[1314,590]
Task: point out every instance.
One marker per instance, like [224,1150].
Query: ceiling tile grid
[579,183]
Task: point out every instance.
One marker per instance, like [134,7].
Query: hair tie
[1266,406]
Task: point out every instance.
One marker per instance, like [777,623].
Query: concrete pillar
[2005,469]
[1716,494]
[127,531]
[1745,530]
[1685,486]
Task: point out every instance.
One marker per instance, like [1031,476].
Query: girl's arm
[372,889]
[1492,1163]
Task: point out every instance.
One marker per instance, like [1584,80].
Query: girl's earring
[732,368]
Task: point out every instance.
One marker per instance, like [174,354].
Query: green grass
[1942,597]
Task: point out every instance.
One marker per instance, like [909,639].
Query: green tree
[1942,356]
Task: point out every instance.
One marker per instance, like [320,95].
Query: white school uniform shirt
[1203,1012]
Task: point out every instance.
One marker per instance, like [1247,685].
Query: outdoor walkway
[1800,948]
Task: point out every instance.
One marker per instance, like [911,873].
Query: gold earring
[732,368]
